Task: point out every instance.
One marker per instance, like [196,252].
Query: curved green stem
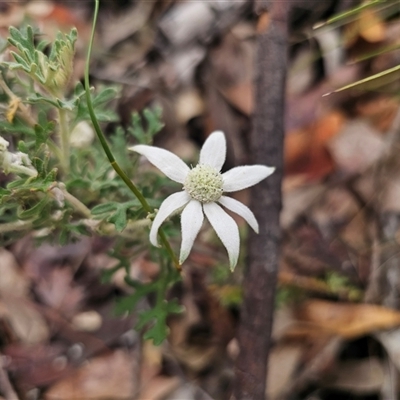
[107,149]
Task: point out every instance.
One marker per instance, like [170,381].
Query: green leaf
[35,210]
[4,192]
[40,165]
[153,125]
[137,130]
[23,40]
[43,133]
[104,208]
[79,90]
[104,96]
[39,98]
[173,307]
[20,63]
[157,317]
[15,184]
[64,237]
[52,71]
[119,219]
[153,118]
[22,147]
[79,230]
[100,100]
[376,80]
[67,104]
[128,304]
[158,332]
[41,46]
[117,212]
[119,148]
[18,126]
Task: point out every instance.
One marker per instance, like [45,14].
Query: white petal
[191,221]
[226,229]
[213,151]
[243,177]
[240,209]
[167,162]
[168,206]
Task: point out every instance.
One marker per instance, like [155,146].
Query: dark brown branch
[261,275]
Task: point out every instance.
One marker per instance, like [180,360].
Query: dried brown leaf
[364,376]
[159,387]
[58,291]
[11,275]
[346,319]
[306,149]
[357,147]
[36,365]
[28,324]
[108,376]
[240,96]
[283,361]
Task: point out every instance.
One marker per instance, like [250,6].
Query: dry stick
[5,385]
[260,279]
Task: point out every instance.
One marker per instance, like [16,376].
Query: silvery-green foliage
[55,181]
[53,71]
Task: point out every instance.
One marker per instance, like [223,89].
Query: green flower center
[204,183]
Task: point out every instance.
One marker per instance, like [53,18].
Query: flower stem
[77,204]
[21,169]
[54,148]
[15,226]
[107,149]
[64,139]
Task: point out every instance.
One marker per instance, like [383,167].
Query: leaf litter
[337,306]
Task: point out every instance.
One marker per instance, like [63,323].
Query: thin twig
[76,203]
[16,226]
[260,279]
[5,385]
[25,114]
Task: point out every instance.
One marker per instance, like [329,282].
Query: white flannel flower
[203,188]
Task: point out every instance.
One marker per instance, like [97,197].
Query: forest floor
[336,331]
